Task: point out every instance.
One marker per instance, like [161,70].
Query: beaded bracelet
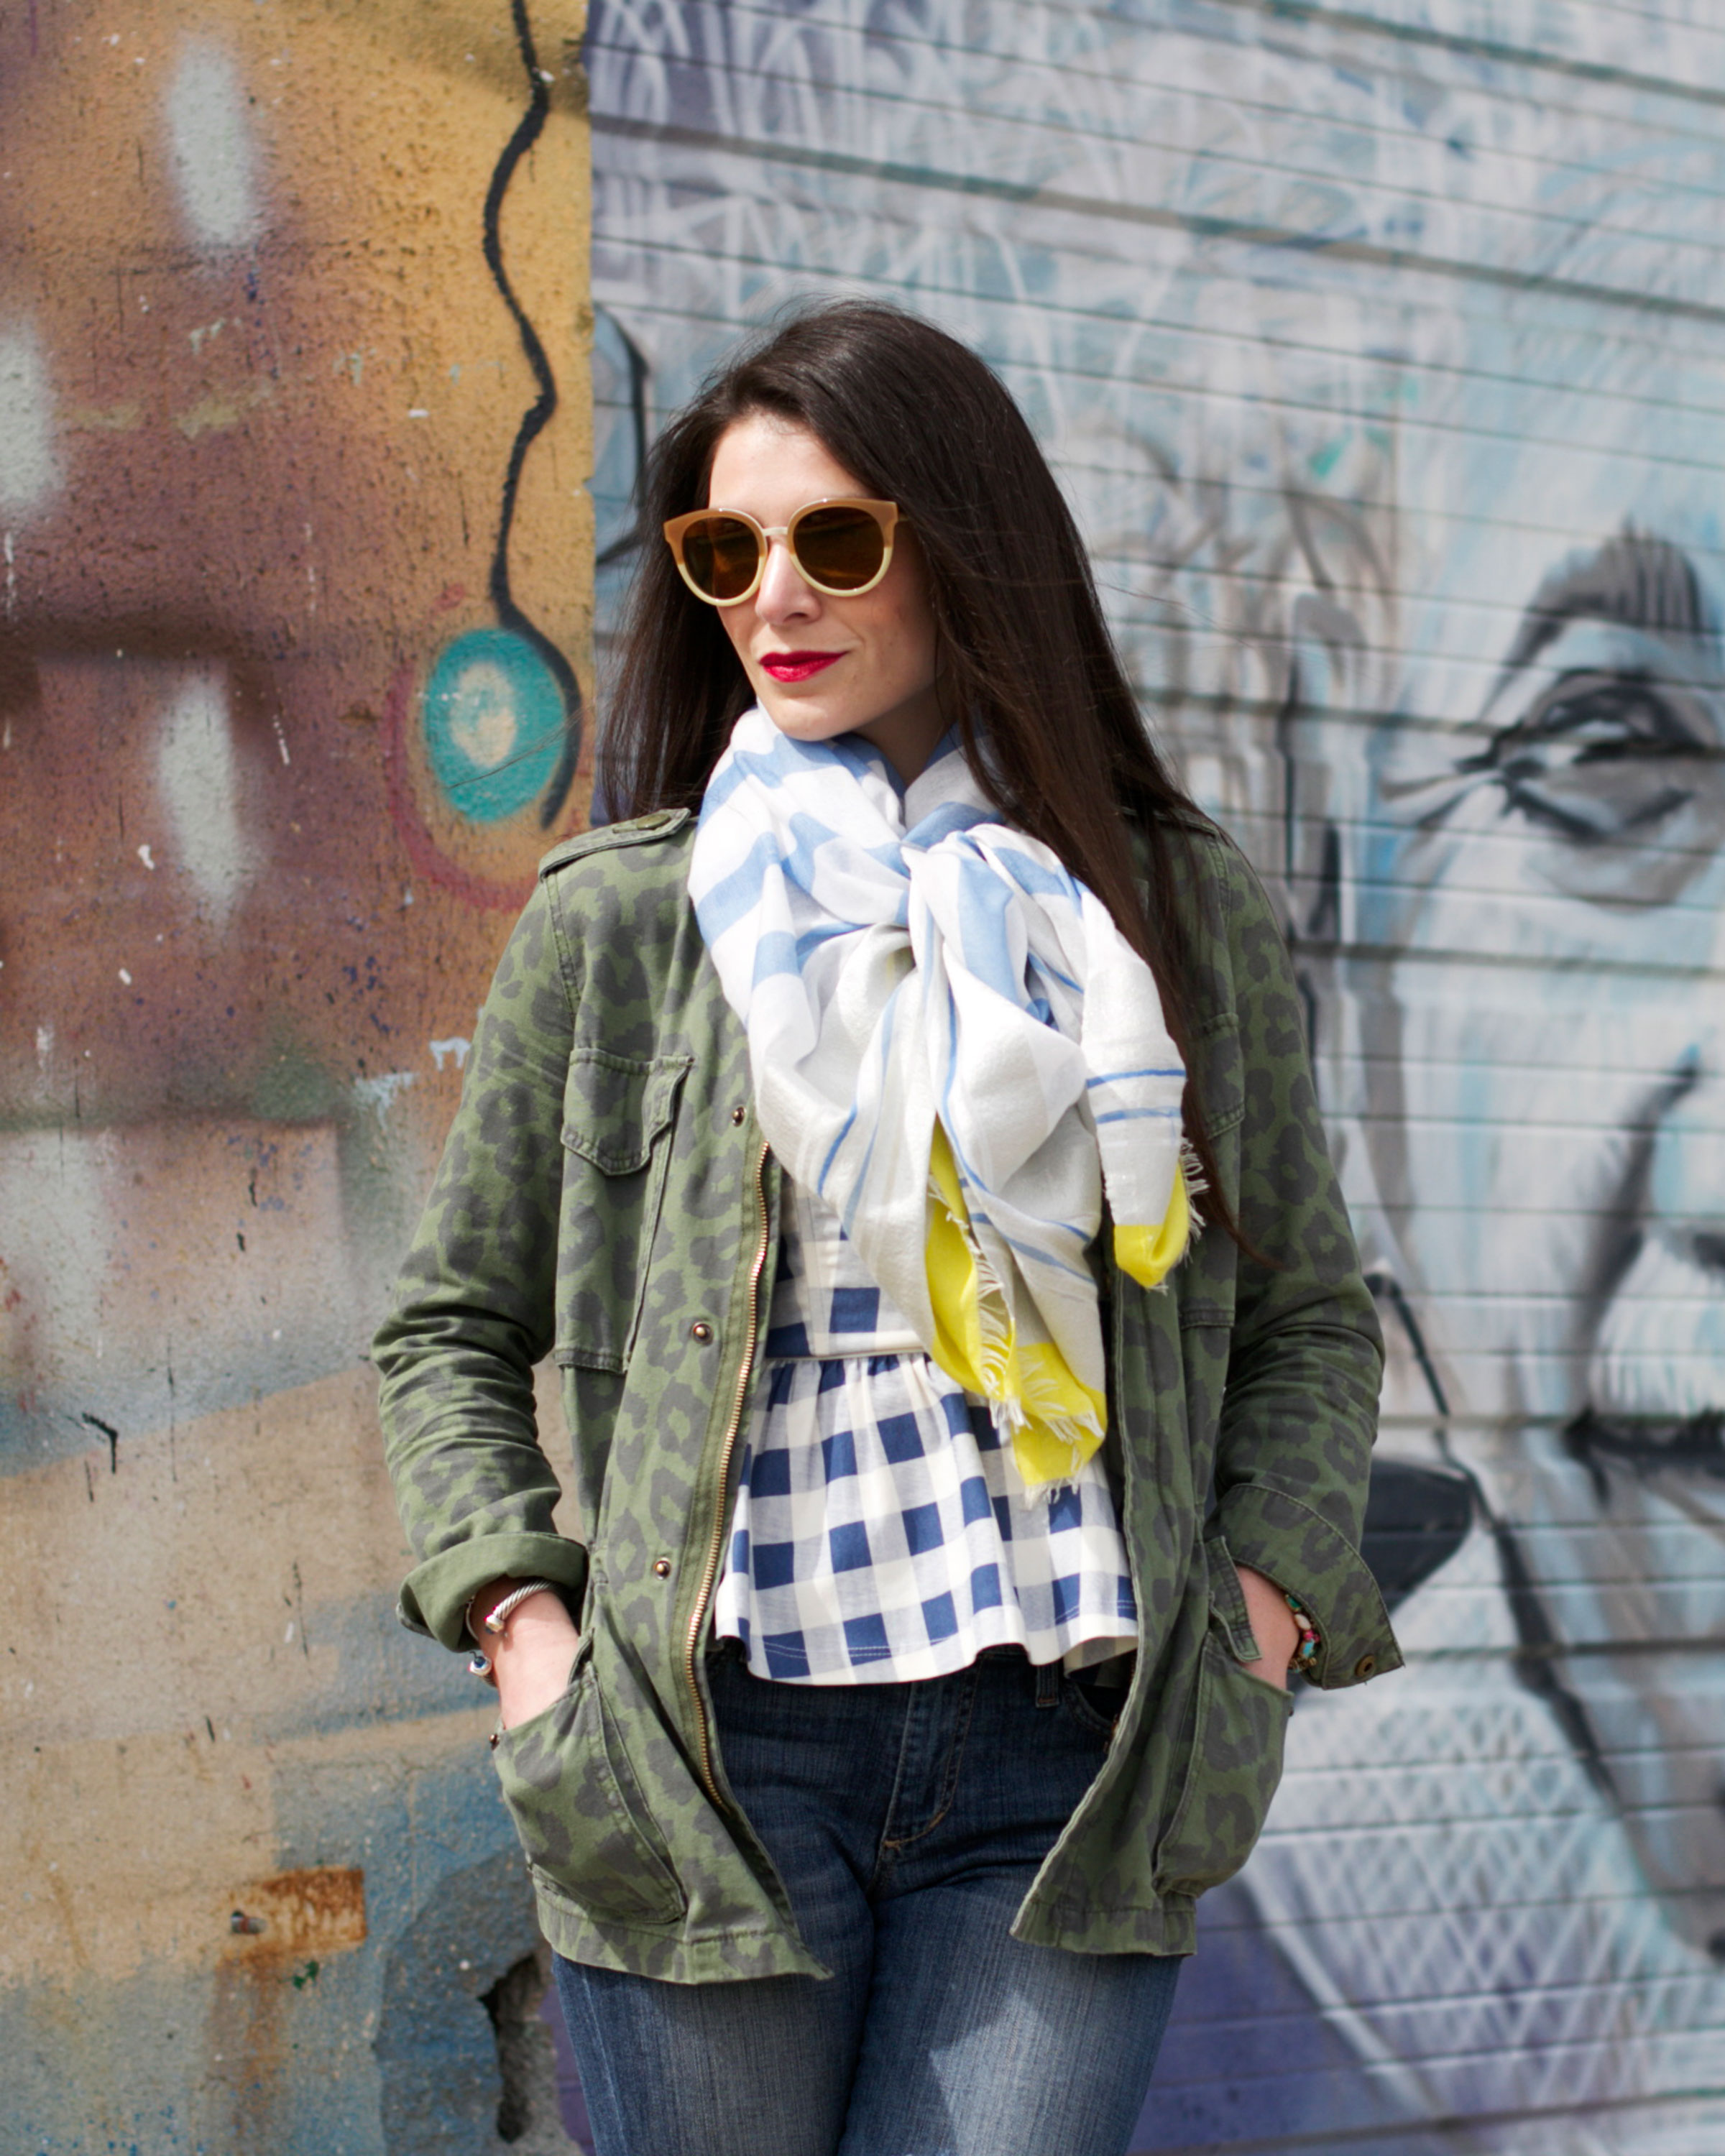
[1304,1659]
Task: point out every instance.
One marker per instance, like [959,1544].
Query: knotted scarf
[952,1041]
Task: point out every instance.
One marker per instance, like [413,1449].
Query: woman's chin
[806,718]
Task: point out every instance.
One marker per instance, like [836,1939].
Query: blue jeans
[906,1821]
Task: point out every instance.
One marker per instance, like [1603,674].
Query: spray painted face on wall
[1545,1102]
[1465,704]
[1454,670]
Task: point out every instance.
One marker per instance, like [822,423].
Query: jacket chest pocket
[619,1114]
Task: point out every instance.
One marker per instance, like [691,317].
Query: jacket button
[738,1115]
[700,1331]
[661,1567]
[1366,1666]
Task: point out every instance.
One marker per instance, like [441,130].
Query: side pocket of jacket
[578,1809]
[1233,1765]
[618,1115]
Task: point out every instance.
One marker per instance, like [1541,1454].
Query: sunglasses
[840,547]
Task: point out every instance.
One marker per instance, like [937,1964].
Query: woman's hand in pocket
[1273,1626]
[533,1658]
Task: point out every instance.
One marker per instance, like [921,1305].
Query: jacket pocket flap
[615,1107]
[579,1809]
[1240,1724]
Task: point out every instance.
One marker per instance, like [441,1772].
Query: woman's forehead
[772,466]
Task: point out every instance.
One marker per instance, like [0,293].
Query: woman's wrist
[508,1618]
[492,1609]
[527,1658]
[1273,1624]
[483,1608]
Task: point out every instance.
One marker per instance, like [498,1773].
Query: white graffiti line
[379,1094]
[30,457]
[199,785]
[211,152]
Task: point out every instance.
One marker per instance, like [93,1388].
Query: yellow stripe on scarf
[1056,1421]
[1149,1254]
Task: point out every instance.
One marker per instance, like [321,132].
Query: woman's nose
[783,596]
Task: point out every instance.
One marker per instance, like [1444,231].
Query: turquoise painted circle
[493,717]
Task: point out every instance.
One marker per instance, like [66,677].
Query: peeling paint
[216,413]
[104,419]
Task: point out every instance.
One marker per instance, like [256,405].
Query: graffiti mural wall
[1382,353]
[294,437]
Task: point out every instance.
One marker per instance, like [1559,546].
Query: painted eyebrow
[1636,580]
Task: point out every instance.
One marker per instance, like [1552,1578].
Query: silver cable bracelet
[481,1664]
[500,1617]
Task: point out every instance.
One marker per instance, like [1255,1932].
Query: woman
[951,1525]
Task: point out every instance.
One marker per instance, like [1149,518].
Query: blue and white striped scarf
[953,1044]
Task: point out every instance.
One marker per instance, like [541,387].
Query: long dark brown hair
[1027,659]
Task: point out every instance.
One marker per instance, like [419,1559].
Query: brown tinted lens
[839,547]
[721,553]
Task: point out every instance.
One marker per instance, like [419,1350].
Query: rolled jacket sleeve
[1299,1408]
[474,1308]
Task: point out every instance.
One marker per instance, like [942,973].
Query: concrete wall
[294,431]
[1380,348]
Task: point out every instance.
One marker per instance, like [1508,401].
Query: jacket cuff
[434,1595]
[1288,1542]
[1227,1602]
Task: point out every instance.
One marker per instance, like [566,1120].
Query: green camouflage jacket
[606,1198]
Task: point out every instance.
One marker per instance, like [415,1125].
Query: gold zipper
[717,1550]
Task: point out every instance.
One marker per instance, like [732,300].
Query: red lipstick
[797,665]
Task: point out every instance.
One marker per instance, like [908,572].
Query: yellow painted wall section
[295,596]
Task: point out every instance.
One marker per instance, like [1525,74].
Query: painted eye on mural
[1604,756]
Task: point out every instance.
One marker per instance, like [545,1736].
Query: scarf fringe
[1197,1183]
[1190,1170]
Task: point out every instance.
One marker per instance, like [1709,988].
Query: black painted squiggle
[533,422]
[627,543]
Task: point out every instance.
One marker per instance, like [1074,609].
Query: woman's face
[821,666]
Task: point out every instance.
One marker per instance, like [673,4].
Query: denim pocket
[1090,1707]
[578,1809]
[1239,1726]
